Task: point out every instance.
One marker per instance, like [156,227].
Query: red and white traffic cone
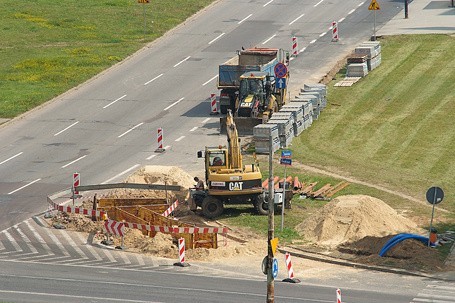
[338,295]
[160,148]
[291,278]
[295,50]
[335,31]
[213,105]
[182,262]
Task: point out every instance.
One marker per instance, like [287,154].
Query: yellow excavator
[228,180]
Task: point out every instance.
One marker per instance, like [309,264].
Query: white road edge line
[211,79]
[134,127]
[267,3]
[151,157]
[351,11]
[269,39]
[296,19]
[122,173]
[174,103]
[22,187]
[318,3]
[312,41]
[179,139]
[341,20]
[68,127]
[11,158]
[323,34]
[244,19]
[182,61]
[193,129]
[153,79]
[118,99]
[205,120]
[219,36]
[302,50]
[360,4]
[80,158]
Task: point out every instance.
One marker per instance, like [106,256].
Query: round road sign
[435,195]
[280,70]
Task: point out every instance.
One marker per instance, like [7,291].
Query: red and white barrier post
[160,148]
[182,262]
[295,50]
[171,208]
[338,295]
[335,31]
[291,278]
[213,105]
[76,182]
[115,228]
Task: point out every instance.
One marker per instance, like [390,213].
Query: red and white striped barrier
[76,182]
[160,148]
[182,262]
[335,31]
[77,210]
[171,208]
[338,295]
[295,50]
[291,278]
[114,228]
[213,105]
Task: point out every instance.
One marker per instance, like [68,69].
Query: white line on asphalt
[140,260]
[269,39]
[182,61]
[73,244]
[12,240]
[151,157]
[167,147]
[122,173]
[28,184]
[330,27]
[219,36]
[312,41]
[296,19]
[205,120]
[38,237]
[211,79]
[80,158]
[110,256]
[193,129]
[267,3]
[179,139]
[241,21]
[89,247]
[351,11]
[153,79]
[134,127]
[118,99]
[341,20]
[66,128]
[318,3]
[302,50]
[58,243]
[174,103]
[323,34]
[10,158]
[26,240]
[360,4]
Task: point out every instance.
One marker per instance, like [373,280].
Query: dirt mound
[161,245]
[233,249]
[351,218]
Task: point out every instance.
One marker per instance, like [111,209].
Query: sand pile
[351,218]
[161,245]
[232,249]
[157,174]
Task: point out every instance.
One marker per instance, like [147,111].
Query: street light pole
[270,234]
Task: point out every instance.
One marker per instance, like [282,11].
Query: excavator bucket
[244,125]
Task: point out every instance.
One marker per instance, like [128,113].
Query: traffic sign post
[284,160]
[280,70]
[434,196]
[281,83]
[374,6]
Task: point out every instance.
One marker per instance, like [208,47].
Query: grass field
[48,46]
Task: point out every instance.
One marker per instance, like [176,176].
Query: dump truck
[228,180]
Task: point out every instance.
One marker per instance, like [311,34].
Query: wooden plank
[340,186]
[321,191]
[104,202]
[308,188]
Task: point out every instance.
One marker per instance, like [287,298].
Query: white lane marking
[124,258]
[323,34]
[80,158]
[193,129]
[244,19]
[131,129]
[26,240]
[351,11]
[360,4]
[205,120]
[211,79]
[312,41]
[58,243]
[318,3]
[89,247]
[13,241]
[10,158]
[150,157]
[140,260]
[219,36]
[66,128]
[96,299]
[341,20]
[28,184]
[39,238]
[110,256]
[118,99]
[174,103]
[73,244]
[153,79]
[296,19]
[302,50]
[179,139]
[167,147]
[182,61]
[122,173]
[269,39]
[267,3]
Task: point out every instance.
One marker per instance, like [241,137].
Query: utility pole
[406,9]
[270,234]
